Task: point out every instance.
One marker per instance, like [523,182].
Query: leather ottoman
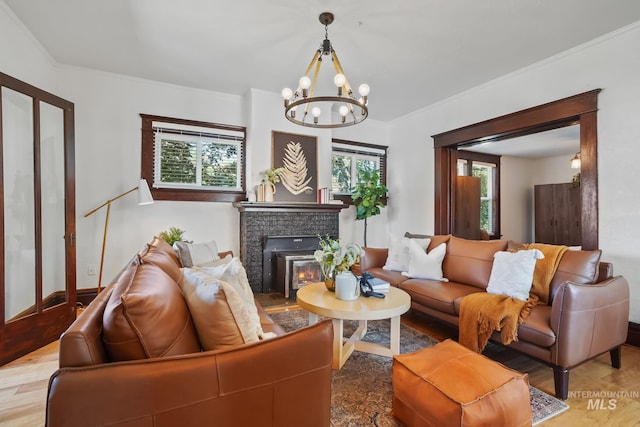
[449,385]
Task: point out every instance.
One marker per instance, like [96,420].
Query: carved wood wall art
[297,154]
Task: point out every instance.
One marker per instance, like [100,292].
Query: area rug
[362,392]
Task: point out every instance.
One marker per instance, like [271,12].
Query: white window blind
[192,157]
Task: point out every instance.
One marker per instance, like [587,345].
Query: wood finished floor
[23,382]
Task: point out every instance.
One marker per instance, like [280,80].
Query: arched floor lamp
[144,198]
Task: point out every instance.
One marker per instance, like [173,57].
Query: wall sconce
[575,161]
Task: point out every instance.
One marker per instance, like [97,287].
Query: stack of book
[379,285]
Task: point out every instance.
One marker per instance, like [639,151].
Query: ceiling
[412,53]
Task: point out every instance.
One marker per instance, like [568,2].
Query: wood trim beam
[578,109]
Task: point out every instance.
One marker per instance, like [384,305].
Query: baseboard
[633,334]
[86,295]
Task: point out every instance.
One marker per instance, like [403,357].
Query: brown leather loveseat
[165,380]
[587,314]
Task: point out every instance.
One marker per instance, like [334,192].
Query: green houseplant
[172,235]
[335,258]
[368,196]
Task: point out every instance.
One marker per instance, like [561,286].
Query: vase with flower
[335,260]
[269,180]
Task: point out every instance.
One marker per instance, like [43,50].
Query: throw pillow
[191,254]
[398,256]
[235,275]
[512,273]
[219,313]
[424,265]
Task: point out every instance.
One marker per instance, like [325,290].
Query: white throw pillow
[398,257]
[512,273]
[424,265]
[219,312]
[191,254]
[234,274]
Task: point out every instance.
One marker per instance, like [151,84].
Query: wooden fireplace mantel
[289,207]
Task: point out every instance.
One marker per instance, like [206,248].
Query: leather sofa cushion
[159,253]
[147,316]
[576,266]
[536,329]
[393,277]
[470,261]
[580,267]
[437,295]
[437,240]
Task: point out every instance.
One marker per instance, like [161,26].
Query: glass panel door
[19,210]
[52,207]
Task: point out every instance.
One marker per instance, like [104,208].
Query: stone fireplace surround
[261,220]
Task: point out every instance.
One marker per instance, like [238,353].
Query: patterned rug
[362,392]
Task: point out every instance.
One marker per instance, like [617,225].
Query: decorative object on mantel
[144,198]
[269,180]
[351,110]
[367,196]
[335,259]
[296,156]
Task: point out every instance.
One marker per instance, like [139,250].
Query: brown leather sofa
[282,381]
[587,314]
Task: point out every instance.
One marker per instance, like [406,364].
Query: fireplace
[260,221]
[294,270]
[284,258]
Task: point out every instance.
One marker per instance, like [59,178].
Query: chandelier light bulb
[305,82]
[344,110]
[287,93]
[339,80]
[363,89]
[315,111]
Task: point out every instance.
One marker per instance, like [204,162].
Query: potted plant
[368,196]
[270,178]
[172,235]
[335,259]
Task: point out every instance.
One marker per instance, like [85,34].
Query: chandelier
[302,107]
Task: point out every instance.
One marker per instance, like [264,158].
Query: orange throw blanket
[545,269]
[482,313]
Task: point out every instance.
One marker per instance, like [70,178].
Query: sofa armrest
[589,319]
[373,258]
[286,380]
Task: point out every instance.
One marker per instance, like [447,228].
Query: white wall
[21,56]
[516,189]
[611,63]
[108,152]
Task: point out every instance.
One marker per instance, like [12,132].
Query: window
[487,168]
[190,160]
[347,158]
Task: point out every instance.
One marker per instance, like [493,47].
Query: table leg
[395,335]
[313,318]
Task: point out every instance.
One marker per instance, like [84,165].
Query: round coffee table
[318,301]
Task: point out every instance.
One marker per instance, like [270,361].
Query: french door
[37,208]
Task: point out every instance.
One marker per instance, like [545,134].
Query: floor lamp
[144,198]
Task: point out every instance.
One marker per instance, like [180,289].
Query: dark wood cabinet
[558,214]
[467,212]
